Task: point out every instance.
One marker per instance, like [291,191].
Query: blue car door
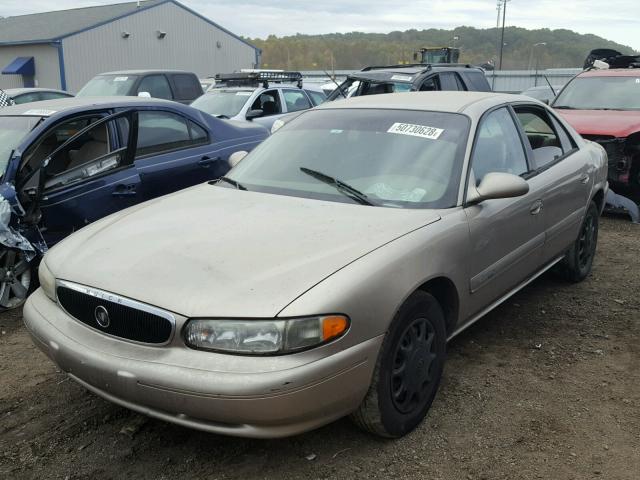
[89,177]
[174,152]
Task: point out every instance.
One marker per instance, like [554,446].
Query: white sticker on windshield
[422,131]
[243,94]
[39,112]
[120,79]
[402,78]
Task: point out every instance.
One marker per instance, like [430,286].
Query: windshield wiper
[339,185]
[564,107]
[231,181]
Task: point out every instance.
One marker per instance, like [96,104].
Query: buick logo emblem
[102,316]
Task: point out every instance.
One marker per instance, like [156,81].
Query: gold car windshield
[395,158]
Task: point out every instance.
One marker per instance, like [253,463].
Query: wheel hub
[411,378]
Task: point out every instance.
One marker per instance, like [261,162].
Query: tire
[634,175]
[17,279]
[411,360]
[578,261]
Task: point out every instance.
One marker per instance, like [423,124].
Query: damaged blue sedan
[66,163]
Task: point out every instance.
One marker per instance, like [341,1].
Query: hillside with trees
[564,48]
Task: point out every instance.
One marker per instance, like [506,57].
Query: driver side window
[498,147]
[92,153]
[268,102]
[156,85]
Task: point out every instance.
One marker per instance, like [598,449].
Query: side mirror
[546,101]
[497,185]
[144,94]
[235,157]
[251,114]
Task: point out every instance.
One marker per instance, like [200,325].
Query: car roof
[439,101]
[143,72]
[386,72]
[62,104]
[20,91]
[611,72]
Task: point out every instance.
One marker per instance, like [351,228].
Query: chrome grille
[114,315]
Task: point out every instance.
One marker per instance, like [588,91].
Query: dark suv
[412,78]
[183,87]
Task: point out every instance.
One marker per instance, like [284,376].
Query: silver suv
[261,97]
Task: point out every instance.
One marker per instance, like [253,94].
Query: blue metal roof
[20,66]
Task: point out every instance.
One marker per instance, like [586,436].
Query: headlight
[256,337]
[47,280]
[277,125]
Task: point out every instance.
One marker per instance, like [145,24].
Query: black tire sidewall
[419,304]
[581,272]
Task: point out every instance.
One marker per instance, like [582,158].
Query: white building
[64,49]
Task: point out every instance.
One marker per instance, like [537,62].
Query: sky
[617,20]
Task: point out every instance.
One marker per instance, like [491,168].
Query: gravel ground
[546,386]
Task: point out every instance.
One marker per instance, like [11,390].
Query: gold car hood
[214,251]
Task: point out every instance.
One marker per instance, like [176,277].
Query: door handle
[584,178]
[207,161]
[122,190]
[536,208]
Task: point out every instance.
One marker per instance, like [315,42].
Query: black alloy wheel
[15,279]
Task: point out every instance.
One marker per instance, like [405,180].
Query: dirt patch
[546,386]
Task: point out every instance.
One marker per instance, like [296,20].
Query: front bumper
[261,397]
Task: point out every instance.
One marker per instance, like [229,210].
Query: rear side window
[187,86]
[316,97]
[568,143]
[541,134]
[198,134]
[448,81]
[160,132]
[157,86]
[296,100]
[476,81]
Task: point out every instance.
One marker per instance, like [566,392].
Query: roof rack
[425,66]
[254,79]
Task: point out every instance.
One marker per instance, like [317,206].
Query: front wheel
[408,369]
[15,279]
[578,261]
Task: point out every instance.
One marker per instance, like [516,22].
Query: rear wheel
[634,175]
[578,261]
[408,369]
[15,278]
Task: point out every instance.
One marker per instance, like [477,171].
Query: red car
[604,106]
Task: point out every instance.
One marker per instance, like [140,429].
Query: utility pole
[495,59]
[504,16]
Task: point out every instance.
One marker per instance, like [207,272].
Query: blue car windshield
[108,86]
[395,158]
[12,132]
